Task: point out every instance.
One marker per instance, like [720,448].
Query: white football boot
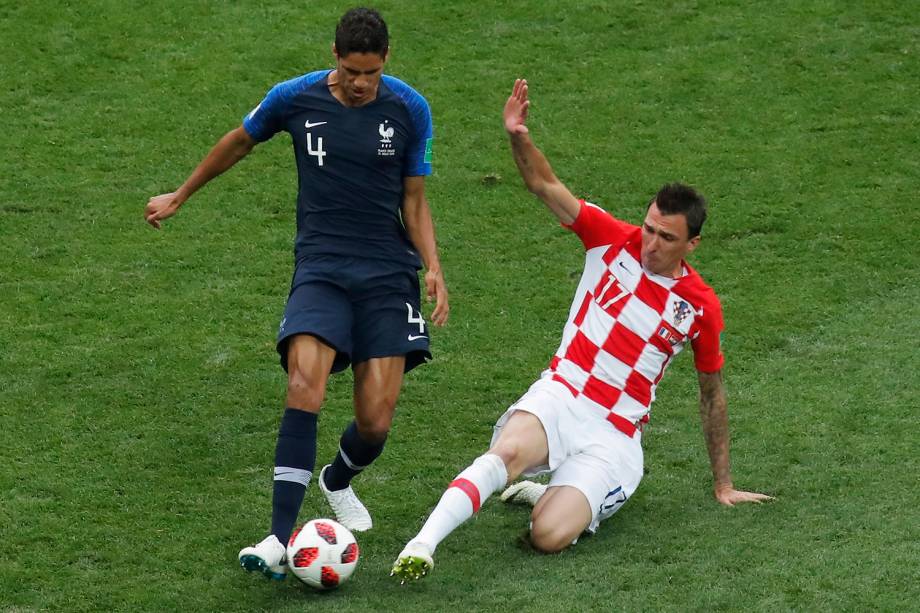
[347,508]
[267,557]
[413,563]
[524,492]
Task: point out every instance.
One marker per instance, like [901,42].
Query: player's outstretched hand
[436,289]
[161,207]
[515,113]
[729,496]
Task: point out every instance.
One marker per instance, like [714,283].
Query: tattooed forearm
[530,161]
[714,415]
[541,181]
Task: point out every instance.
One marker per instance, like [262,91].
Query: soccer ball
[322,553]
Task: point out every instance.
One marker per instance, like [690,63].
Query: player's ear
[692,243]
[335,51]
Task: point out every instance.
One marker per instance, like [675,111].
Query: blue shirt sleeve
[418,158]
[268,118]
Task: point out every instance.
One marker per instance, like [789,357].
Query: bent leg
[585,489]
[559,517]
[377,385]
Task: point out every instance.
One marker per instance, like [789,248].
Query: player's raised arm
[229,150]
[714,414]
[532,164]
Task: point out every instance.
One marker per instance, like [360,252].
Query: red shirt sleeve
[706,335]
[596,227]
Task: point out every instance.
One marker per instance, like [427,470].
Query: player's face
[665,242]
[358,76]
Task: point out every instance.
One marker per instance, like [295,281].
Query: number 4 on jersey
[318,152]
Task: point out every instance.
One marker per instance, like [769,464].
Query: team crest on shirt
[386,139]
[682,311]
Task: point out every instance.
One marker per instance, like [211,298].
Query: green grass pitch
[139,388]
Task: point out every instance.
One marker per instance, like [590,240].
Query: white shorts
[585,451]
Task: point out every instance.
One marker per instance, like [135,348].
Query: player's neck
[679,271]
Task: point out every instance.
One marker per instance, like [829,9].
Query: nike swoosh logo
[413,337]
[623,266]
[313,125]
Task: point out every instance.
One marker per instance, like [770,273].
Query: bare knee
[374,430]
[305,391]
[374,416]
[377,385]
[551,538]
[560,516]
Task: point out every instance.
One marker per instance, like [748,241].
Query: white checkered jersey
[627,324]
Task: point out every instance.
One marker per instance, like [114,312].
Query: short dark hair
[674,198]
[362,30]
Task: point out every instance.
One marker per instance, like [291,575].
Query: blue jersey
[351,162]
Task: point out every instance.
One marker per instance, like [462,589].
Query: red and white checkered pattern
[627,324]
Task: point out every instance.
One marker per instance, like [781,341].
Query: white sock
[463,497]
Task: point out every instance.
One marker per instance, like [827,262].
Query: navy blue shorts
[362,308]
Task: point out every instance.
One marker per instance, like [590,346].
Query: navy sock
[355,454]
[295,458]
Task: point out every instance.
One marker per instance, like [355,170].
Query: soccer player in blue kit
[362,144]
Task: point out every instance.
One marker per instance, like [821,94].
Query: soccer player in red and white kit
[637,305]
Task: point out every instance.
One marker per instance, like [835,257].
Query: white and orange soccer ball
[322,553]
